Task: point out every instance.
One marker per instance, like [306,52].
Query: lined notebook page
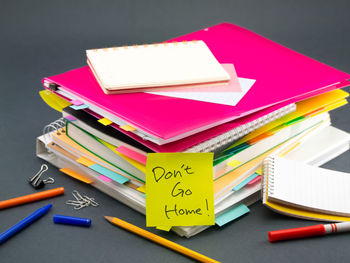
[308,187]
[164,64]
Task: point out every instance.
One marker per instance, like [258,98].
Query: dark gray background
[41,38]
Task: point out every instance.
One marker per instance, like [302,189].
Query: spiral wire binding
[141,46]
[232,135]
[54,126]
[269,172]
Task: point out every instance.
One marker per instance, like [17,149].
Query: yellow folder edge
[53,100]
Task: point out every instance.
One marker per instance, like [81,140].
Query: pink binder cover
[282,75]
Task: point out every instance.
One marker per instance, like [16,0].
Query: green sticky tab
[231,215]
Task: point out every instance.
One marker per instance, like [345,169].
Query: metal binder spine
[230,136]
[54,126]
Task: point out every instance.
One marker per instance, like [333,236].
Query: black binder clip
[53,86]
[36,181]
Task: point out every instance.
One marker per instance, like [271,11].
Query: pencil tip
[109,218]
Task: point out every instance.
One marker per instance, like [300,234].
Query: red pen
[308,231]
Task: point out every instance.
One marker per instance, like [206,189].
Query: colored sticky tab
[245,181]
[231,215]
[76,175]
[70,118]
[256,179]
[109,173]
[259,171]
[234,163]
[53,100]
[77,102]
[132,154]
[164,228]
[127,128]
[144,195]
[80,107]
[104,178]
[179,189]
[84,161]
[142,189]
[105,121]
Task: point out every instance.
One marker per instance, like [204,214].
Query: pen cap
[299,232]
[70,220]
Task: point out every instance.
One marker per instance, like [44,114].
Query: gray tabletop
[41,38]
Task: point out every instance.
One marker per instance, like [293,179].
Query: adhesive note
[109,173]
[164,228]
[132,154]
[245,182]
[127,128]
[142,189]
[104,178]
[84,161]
[256,179]
[53,100]
[259,171]
[179,189]
[77,102]
[76,175]
[70,118]
[80,107]
[234,163]
[105,121]
[231,215]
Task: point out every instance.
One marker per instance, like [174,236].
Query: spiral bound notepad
[155,65]
[306,187]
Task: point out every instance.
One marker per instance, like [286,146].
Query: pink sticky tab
[70,118]
[132,154]
[104,178]
[254,180]
[77,102]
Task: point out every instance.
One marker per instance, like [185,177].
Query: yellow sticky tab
[234,163]
[179,189]
[164,228]
[259,171]
[105,121]
[127,128]
[76,175]
[53,100]
[142,189]
[84,161]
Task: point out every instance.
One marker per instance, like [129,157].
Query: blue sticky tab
[231,215]
[110,174]
[144,195]
[79,107]
[244,182]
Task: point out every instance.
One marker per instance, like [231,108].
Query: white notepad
[306,187]
[164,64]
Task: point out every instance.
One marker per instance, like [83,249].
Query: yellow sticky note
[76,175]
[105,121]
[142,189]
[164,228]
[259,171]
[127,128]
[84,161]
[234,163]
[179,189]
[53,100]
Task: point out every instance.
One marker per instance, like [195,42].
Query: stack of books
[282,107]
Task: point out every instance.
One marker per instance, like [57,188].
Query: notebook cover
[282,75]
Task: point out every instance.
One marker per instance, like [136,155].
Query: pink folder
[282,75]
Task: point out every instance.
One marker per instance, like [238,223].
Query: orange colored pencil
[157,239]
[31,198]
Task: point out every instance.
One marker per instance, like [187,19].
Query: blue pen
[24,223]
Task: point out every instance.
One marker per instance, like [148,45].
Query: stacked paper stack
[279,103]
